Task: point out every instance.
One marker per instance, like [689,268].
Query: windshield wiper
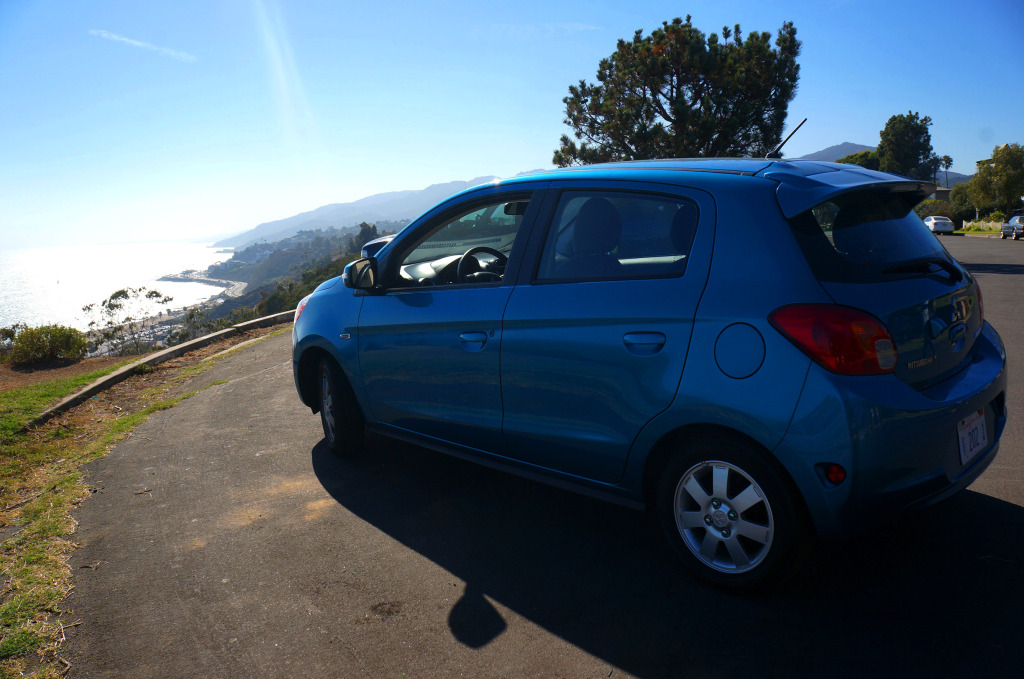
[925,266]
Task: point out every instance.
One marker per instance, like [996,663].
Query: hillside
[390,206]
[954,179]
[834,153]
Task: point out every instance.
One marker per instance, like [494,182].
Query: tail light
[840,339]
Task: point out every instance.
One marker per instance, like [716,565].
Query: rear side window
[859,237]
[604,235]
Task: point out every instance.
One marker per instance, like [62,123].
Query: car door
[595,341]
[429,344]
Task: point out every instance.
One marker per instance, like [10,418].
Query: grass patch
[23,453]
[19,406]
[980,227]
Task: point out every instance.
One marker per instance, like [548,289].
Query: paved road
[225,541]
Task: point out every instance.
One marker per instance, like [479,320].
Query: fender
[327,333]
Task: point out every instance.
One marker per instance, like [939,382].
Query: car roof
[802,184]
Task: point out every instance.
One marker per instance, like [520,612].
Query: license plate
[973,436]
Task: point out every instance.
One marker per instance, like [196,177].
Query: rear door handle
[644,343]
[473,341]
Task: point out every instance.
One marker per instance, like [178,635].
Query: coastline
[231,288]
[155,328]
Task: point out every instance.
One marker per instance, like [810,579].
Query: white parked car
[939,224]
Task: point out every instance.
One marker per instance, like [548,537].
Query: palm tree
[946,162]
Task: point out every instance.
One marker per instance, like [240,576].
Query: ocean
[39,286]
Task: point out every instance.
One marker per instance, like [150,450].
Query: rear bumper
[900,446]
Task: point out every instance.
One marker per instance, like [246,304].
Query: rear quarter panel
[756,267]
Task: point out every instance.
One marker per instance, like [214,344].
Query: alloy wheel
[723,517]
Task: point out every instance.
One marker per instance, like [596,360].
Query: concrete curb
[127,371]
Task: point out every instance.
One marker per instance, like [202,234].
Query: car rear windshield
[864,237]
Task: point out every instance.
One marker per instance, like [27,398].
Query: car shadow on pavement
[1008,269]
[932,593]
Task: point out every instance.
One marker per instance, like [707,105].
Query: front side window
[599,235]
[471,247]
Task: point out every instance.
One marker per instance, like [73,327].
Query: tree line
[996,190]
[905,148]
[679,93]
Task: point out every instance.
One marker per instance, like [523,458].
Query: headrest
[598,228]
[684,226]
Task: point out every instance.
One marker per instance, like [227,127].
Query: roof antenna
[776,153]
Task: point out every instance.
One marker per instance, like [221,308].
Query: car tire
[730,516]
[340,416]
[1002,236]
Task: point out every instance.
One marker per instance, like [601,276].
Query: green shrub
[981,227]
[47,343]
[996,216]
[7,336]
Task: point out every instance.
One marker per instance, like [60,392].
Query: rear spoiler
[803,186]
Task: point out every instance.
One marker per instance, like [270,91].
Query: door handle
[473,341]
[644,343]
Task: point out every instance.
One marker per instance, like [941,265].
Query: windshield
[862,236]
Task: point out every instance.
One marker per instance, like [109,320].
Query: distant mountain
[834,153]
[391,206]
[954,179]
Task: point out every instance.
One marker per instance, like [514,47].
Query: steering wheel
[463,272]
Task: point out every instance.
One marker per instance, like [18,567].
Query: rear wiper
[925,266]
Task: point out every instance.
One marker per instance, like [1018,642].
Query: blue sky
[148,119]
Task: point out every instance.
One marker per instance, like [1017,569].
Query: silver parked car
[1012,229]
[939,224]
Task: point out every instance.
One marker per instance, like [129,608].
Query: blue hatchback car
[763,351]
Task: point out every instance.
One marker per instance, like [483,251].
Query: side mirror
[361,274]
